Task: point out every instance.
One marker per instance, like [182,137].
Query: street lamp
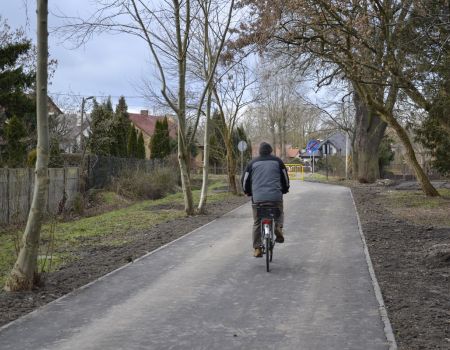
[83,102]
[82,180]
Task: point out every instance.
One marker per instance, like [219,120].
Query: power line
[88,95]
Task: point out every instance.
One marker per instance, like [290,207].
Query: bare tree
[358,41]
[24,272]
[167,28]
[231,97]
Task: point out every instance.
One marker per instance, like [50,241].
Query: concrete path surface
[206,291]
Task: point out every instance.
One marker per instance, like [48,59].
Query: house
[291,152]
[336,143]
[145,123]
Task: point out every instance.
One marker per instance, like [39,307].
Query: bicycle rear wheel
[271,250]
[268,253]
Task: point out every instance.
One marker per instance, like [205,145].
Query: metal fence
[100,170]
[16,192]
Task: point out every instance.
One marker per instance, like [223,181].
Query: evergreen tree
[385,153]
[165,146]
[140,147]
[132,142]
[56,160]
[101,141]
[160,145]
[16,150]
[16,79]
[241,135]
[434,133]
[156,141]
[217,150]
[121,125]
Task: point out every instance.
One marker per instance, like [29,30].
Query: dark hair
[265,149]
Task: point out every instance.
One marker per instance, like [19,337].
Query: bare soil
[95,261]
[412,265]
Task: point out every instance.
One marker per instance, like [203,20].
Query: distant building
[336,143]
[145,123]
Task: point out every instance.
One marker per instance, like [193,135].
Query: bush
[78,204]
[141,185]
[31,158]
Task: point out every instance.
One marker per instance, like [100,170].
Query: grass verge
[60,241]
[335,180]
[417,208]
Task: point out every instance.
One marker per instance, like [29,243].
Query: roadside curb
[26,316]
[381,306]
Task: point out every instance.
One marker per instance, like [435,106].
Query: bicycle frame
[268,216]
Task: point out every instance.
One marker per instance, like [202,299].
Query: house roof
[292,152]
[146,123]
[337,140]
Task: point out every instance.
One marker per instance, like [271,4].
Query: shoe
[279,236]
[258,253]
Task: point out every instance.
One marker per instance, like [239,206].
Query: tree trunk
[274,137]
[24,272]
[204,191]
[369,133]
[283,133]
[231,163]
[184,160]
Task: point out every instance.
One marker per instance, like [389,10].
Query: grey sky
[107,65]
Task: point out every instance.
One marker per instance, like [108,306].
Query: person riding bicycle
[265,179]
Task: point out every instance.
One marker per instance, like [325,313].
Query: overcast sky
[108,65]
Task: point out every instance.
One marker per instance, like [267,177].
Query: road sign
[312,146]
[242,146]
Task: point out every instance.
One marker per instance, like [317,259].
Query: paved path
[206,291]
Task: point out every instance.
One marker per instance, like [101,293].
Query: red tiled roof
[292,152]
[146,123]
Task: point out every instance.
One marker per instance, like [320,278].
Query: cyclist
[265,179]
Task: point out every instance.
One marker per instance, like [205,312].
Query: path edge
[30,314]
[381,306]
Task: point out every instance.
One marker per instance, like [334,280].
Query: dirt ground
[96,262]
[413,273]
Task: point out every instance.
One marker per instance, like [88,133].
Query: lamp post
[83,102]
[82,181]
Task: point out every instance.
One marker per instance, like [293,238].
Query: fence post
[7,193]
[4,193]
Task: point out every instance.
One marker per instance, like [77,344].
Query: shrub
[141,185]
[78,204]
[31,158]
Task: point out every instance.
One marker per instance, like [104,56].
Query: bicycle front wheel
[268,254]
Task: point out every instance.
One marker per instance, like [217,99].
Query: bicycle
[268,215]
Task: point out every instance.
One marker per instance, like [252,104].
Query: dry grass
[417,208]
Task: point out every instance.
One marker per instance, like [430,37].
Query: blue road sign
[312,146]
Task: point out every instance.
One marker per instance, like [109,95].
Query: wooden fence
[16,192]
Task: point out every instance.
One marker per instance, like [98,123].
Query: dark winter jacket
[265,178]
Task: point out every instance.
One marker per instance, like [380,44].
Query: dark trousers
[257,222]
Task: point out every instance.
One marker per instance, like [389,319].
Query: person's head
[265,149]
